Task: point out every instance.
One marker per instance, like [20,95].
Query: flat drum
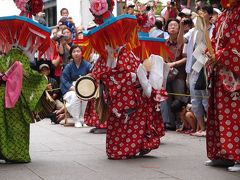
[85,87]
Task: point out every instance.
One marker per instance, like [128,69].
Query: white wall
[8,8]
[74,7]
[78,10]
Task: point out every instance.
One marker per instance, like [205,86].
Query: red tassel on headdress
[27,35]
[122,31]
[147,48]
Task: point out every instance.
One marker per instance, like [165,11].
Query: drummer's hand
[49,86]
[89,74]
[72,89]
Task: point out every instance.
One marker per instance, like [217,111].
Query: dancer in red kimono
[223,123]
[134,127]
[91,117]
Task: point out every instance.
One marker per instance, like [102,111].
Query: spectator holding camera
[177,75]
[56,34]
[171,11]
[185,17]
[67,21]
[65,43]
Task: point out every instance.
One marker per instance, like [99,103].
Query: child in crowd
[64,12]
[186,116]
[67,21]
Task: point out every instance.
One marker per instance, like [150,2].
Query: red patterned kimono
[134,125]
[91,117]
[223,124]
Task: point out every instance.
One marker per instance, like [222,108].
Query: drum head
[85,87]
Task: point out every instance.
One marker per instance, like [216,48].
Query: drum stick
[201,25]
[206,35]
[208,43]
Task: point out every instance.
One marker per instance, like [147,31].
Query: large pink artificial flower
[99,7]
[151,20]
[21,4]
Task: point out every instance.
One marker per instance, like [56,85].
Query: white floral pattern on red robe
[90,117]
[223,123]
[142,128]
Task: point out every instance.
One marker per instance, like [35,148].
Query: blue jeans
[199,98]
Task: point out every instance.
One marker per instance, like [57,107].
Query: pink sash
[13,78]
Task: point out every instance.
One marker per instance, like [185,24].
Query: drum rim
[85,97]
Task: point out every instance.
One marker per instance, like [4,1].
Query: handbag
[101,106]
[201,83]
[172,74]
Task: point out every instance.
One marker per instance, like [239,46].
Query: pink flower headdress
[21,4]
[29,7]
[101,9]
[146,20]
[151,19]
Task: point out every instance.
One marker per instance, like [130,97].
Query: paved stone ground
[67,153]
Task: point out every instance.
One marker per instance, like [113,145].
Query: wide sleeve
[66,81]
[229,54]
[99,68]
[33,87]
[89,67]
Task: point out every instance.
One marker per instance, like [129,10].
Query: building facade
[78,10]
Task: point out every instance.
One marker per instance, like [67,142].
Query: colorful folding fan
[30,36]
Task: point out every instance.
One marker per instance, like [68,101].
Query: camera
[55,38]
[148,8]
[172,3]
[62,37]
[187,22]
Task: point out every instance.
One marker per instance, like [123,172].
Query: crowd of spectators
[175,23]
